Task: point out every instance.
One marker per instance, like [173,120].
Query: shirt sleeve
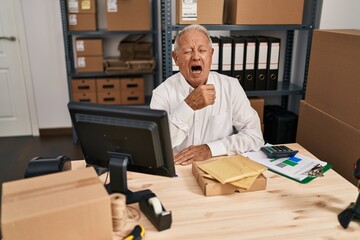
[247,134]
[178,117]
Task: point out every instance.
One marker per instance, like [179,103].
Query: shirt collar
[188,88]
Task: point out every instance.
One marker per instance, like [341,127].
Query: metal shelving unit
[69,51]
[285,86]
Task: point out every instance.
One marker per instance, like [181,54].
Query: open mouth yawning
[196,69]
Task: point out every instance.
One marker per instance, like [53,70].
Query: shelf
[105,75]
[103,32]
[289,49]
[225,27]
[282,90]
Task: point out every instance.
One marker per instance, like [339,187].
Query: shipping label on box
[88,47]
[73,6]
[199,11]
[81,6]
[82,22]
[111,6]
[189,10]
[89,64]
[66,205]
[128,15]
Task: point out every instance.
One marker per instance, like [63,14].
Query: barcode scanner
[353,210]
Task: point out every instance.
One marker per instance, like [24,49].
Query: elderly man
[209,113]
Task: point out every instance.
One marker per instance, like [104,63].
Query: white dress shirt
[229,126]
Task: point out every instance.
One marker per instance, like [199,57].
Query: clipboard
[307,179]
[293,168]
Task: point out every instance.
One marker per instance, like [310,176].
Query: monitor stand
[118,178]
[118,184]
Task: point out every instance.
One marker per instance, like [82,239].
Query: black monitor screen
[139,135]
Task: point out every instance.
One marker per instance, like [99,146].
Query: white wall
[43,29]
[46,50]
[340,14]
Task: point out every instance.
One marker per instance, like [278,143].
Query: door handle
[12,38]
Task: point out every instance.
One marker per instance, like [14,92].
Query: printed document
[296,167]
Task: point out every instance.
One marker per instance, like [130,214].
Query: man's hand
[193,153]
[201,97]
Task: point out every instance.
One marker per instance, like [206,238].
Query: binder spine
[238,59]
[215,57]
[225,60]
[175,68]
[261,57]
[249,80]
[273,63]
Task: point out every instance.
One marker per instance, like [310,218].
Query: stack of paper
[237,170]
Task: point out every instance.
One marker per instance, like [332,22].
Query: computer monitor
[123,138]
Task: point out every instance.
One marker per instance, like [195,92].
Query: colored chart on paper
[292,162]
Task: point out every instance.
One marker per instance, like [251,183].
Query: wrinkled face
[194,57]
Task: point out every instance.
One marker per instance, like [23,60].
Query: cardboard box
[131,84]
[88,47]
[81,6]
[66,205]
[85,97]
[84,85]
[108,85]
[329,139]
[132,97]
[199,12]
[263,11]
[258,105]
[132,91]
[212,187]
[109,97]
[82,22]
[89,64]
[129,15]
[333,84]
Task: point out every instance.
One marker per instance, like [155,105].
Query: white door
[14,108]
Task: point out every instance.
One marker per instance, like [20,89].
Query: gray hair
[195,27]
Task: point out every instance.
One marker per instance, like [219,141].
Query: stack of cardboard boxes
[82,15]
[89,55]
[329,118]
[84,90]
[132,91]
[239,12]
[109,90]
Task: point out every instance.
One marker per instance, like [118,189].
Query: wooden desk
[285,210]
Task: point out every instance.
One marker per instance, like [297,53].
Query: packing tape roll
[155,203]
[118,210]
